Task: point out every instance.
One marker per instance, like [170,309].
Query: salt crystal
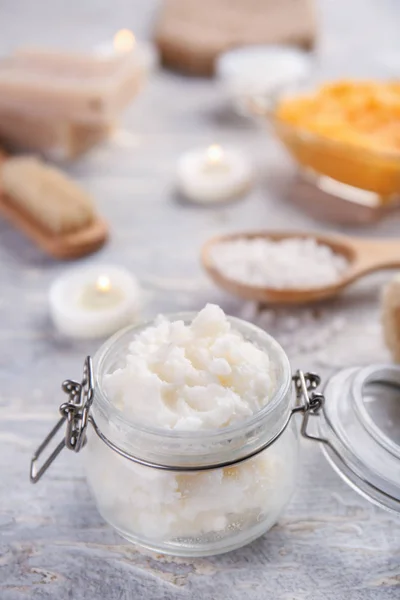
[338,324]
[300,329]
[289,263]
[249,311]
[291,323]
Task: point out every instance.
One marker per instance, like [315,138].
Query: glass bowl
[371,170]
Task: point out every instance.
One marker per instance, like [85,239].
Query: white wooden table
[330,544]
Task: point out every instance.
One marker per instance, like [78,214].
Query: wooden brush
[51,209]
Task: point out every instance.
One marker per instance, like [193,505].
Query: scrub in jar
[194,392]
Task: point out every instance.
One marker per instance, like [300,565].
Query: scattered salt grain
[290,263]
[298,329]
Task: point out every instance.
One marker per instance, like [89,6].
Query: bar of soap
[62,86]
[391,316]
[51,198]
[55,139]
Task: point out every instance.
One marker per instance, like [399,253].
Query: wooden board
[191,34]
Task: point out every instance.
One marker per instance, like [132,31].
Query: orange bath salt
[354,111]
[348,130]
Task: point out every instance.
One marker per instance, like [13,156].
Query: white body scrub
[203,375]
[194,392]
[292,263]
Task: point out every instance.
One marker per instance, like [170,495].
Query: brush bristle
[53,200]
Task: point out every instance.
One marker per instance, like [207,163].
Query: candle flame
[214,154]
[103,283]
[124,40]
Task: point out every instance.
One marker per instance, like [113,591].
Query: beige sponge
[391,316]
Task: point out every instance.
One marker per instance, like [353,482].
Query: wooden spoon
[363,255]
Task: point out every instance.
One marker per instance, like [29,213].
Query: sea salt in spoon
[363,255]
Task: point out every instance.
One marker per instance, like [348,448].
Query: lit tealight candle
[213,175]
[124,44]
[214,159]
[94,302]
[124,41]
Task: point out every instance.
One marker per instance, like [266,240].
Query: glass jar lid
[360,428]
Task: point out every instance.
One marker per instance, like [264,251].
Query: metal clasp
[75,412]
[309,402]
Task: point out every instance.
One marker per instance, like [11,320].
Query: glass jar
[205,492]
[202,511]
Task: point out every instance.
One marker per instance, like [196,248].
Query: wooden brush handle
[373,255]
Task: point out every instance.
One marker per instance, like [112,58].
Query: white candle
[214,174]
[122,45]
[94,302]
[125,45]
[261,70]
